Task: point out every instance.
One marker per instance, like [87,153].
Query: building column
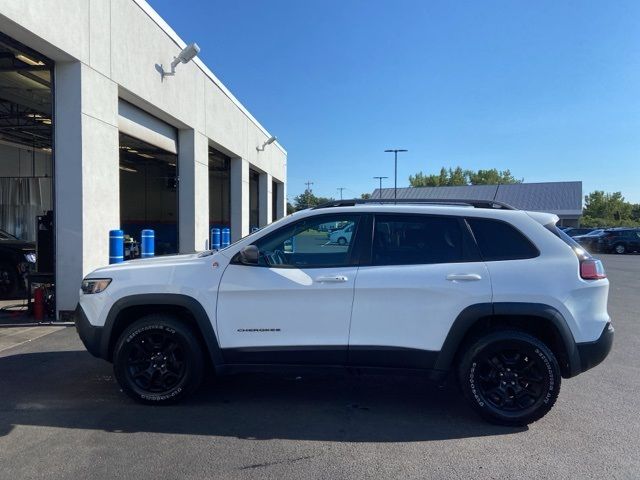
[264,199]
[193,191]
[239,198]
[281,205]
[87,175]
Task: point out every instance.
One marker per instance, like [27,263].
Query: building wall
[106,50]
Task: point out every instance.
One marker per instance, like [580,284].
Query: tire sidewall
[193,358]
[469,383]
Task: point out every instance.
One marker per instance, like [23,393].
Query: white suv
[499,297]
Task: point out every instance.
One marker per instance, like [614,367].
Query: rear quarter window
[497,240]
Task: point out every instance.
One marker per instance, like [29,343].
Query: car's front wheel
[158,360]
[510,377]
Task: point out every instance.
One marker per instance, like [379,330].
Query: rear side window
[498,240]
[419,239]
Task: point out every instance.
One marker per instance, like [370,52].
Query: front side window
[325,241]
[418,239]
[498,240]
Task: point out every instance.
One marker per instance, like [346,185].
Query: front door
[294,307]
[424,270]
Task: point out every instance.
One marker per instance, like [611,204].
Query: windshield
[280,220]
[6,236]
[595,233]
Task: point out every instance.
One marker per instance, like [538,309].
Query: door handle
[463,277]
[332,279]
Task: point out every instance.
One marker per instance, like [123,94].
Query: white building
[91,130]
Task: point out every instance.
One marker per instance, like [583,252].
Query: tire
[619,249]
[509,377]
[158,360]
[9,282]
[342,241]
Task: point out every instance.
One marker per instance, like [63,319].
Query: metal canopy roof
[561,198]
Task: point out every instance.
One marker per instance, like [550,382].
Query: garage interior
[149,193]
[26,161]
[219,189]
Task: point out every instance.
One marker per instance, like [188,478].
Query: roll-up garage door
[139,124]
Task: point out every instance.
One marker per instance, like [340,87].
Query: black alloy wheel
[510,377]
[158,360]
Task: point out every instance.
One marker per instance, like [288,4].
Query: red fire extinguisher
[38,304]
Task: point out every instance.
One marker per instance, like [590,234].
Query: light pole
[380,189]
[395,177]
[308,191]
[341,189]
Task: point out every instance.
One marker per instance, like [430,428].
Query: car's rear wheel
[620,248]
[510,377]
[158,360]
[8,281]
[342,241]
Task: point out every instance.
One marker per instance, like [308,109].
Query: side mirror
[249,255]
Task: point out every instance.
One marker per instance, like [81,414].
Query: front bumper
[593,353]
[91,336]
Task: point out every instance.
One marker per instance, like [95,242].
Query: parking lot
[63,416]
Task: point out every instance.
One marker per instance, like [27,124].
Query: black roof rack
[429,201]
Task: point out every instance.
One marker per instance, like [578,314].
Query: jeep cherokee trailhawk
[499,297]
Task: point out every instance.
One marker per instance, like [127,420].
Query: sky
[547,89]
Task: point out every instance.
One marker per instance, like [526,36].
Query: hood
[18,245]
[161,261]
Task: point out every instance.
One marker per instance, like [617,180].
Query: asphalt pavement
[63,416]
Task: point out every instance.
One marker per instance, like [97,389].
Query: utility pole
[341,189]
[380,189]
[395,177]
[308,192]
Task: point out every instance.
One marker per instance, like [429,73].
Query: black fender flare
[470,315]
[172,299]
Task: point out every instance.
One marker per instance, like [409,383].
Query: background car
[17,258]
[618,240]
[342,236]
[587,241]
[575,231]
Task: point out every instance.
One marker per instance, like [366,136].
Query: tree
[458,176]
[492,177]
[365,196]
[307,199]
[609,210]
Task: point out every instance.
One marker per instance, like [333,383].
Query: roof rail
[429,201]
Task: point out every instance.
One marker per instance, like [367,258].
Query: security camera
[187,54]
[269,141]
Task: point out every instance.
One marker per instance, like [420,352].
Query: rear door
[422,272]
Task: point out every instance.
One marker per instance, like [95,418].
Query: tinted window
[418,239]
[577,248]
[500,241]
[325,241]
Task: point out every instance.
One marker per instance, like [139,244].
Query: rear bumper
[593,353]
[91,336]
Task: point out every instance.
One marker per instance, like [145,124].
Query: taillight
[592,269]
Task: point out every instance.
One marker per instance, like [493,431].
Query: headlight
[95,285]
[30,257]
